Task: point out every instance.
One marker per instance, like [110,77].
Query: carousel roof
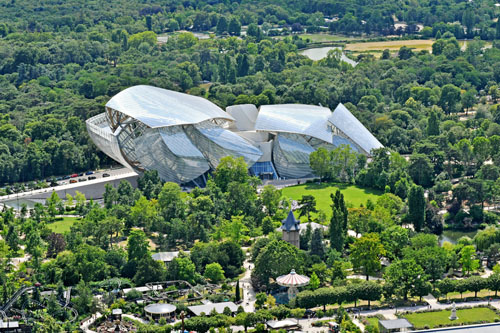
[292,280]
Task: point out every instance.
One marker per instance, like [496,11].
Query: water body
[319,53]
[453,236]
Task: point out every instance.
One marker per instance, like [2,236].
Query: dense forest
[437,114]
[61,62]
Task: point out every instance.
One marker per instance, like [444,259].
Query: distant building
[396,325]
[167,257]
[291,230]
[208,308]
[303,227]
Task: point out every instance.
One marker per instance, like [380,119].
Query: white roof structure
[8,324]
[350,126]
[167,256]
[184,137]
[395,324]
[143,289]
[277,324]
[303,119]
[293,280]
[117,312]
[245,116]
[156,107]
[160,308]
[208,308]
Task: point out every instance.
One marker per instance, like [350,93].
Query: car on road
[74,175]
[89,173]
[92,177]
[72,181]
[105,175]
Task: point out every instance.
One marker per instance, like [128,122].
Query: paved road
[91,188]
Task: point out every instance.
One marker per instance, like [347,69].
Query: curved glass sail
[104,139]
[352,128]
[156,107]
[169,151]
[291,156]
[215,143]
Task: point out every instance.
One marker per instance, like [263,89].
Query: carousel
[293,281]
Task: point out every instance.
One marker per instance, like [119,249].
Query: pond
[453,236]
[319,53]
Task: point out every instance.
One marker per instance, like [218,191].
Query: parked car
[82,180]
[66,177]
[74,175]
[92,177]
[59,178]
[80,174]
[89,173]
[72,181]
[105,175]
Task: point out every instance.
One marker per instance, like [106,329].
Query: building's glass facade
[183,137]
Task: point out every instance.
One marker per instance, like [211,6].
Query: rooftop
[309,120]
[160,308]
[208,308]
[167,256]
[395,324]
[156,107]
[345,121]
[290,223]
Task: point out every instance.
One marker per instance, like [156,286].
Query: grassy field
[465,316]
[392,45]
[62,224]
[353,195]
[372,321]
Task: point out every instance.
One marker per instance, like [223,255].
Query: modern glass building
[183,136]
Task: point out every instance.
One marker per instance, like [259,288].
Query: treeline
[57,75]
[473,284]
[366,291]
[476,18]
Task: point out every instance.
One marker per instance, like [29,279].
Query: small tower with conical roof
[291,230]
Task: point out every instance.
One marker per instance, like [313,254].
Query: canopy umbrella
[292,281]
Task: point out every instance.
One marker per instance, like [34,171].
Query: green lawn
[62,224]
[353,195]
[372,321]
[465,316]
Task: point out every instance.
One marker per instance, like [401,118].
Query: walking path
[84,326]
[135,318]
[248,291]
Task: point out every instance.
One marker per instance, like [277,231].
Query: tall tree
[317,247]
[416,207]
[366,253]
[307,206]
[433,124]
[221,25]
[234,27]
[467,255]
[319,161]
[403,275]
